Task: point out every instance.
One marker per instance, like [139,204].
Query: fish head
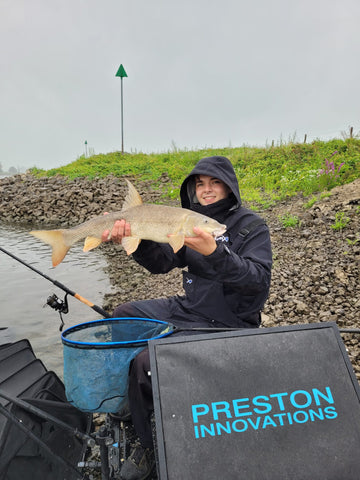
[207,224]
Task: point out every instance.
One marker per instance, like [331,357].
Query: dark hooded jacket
[230,286]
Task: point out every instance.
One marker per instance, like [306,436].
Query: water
[23,293]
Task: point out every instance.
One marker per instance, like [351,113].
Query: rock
[301,307]
[322,290]
[341,275]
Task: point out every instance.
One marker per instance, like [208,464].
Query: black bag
[23,376]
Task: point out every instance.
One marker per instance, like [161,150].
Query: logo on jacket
[222,238]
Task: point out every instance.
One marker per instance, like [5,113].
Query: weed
[289,220]
[325,194]
[329,175]
[341,220]
[310,202]
[355,241]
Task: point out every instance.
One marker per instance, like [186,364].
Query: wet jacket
[230,286]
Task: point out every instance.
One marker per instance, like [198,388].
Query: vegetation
[341,220]
[312,200]
[265,175]
[289,220]
[355,241]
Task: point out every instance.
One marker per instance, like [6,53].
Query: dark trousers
[141,398]
[140,390]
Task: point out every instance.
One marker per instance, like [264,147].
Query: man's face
[210,189]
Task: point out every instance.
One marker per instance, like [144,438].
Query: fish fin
[130,244]
[90,243]
[132,198]
[176,241]
[55,238]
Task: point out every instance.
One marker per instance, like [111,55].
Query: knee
[141,363]
[124,310]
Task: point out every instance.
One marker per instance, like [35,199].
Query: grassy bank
[265,175]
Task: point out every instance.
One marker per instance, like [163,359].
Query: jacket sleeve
[247,265]
[158,257]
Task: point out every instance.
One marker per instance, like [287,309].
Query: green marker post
[121,73]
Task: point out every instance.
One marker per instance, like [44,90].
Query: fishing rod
[233,329]
[53,301]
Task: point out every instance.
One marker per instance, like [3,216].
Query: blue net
[97,356]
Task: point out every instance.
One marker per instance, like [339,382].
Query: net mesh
[97,357]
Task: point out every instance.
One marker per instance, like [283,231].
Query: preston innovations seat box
[277,403]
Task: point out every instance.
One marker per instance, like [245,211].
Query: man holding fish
[226,282]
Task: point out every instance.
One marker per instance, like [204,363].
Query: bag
[23,376]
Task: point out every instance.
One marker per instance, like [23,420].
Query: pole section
[122,118]
[121,73]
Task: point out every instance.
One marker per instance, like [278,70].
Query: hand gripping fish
[159,223]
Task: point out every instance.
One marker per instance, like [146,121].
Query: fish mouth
[219,231]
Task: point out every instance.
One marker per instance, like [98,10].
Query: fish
[159,223]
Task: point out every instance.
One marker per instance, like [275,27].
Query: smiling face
[210,189]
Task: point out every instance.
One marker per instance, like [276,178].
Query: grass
[341,220]
[266,175]
[312,200]
[355,241]
[289,220]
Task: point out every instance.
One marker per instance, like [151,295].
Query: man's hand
[120,229]
[203,243]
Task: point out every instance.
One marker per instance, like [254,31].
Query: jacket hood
[217,167]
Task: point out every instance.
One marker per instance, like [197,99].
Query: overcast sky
[201,73]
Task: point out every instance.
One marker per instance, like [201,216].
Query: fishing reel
[59,305]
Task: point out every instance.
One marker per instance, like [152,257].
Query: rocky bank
[316,268]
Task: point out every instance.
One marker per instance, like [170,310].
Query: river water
[23,293]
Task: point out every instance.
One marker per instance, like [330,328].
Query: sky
[201,74]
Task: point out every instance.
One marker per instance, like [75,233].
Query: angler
[225,284]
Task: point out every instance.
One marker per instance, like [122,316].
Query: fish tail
[56,239]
